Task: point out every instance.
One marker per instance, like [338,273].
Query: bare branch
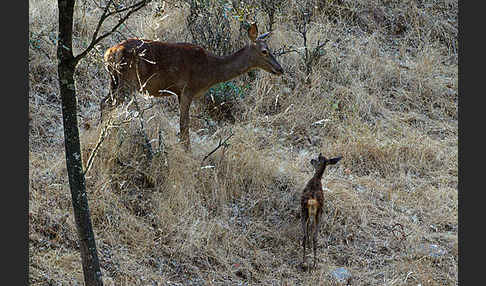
[106,14]
[101,138]
[221,143]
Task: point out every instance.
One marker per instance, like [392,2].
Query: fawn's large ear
[253,32]
[334,160]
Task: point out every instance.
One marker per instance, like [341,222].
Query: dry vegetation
[382,93]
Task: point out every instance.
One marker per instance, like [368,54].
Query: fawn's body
[311,204]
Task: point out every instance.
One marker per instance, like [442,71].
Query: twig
[101,138]
[400,230]
[221,143]
[283,51]
[319,122]
[161,148]
[147,146]
[167,91]
[319,45]
[207,167]
[316,53]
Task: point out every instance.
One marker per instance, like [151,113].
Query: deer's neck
[224,68]
[319,172]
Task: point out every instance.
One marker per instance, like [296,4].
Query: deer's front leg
[184,104]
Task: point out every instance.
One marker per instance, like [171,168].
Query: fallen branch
[221,143]
[101,138]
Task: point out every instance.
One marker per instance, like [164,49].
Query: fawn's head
[322,162]
[262,55]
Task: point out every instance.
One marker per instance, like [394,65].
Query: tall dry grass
[383,94]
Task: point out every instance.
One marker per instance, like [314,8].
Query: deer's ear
[253,32]
[335,160]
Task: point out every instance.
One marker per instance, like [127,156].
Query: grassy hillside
[382,92]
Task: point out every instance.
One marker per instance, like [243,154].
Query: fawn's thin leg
[314,243]
[304,235]
[308,232]
[316,232]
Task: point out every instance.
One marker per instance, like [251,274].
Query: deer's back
[170,66]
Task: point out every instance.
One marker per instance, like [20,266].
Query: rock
[341,274]
[286,91]
[211,123]
[433,251]
[436,251]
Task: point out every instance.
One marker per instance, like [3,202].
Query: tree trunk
[77,184]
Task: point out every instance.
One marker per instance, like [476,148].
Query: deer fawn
[311,202]
[187,70]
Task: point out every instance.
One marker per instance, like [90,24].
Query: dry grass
[384,95]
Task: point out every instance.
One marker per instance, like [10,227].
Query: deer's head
[321,161]
[262,55]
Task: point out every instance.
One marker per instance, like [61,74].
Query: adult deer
[311,203]
[187,70]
